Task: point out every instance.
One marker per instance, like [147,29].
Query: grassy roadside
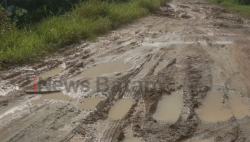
[234,5]
[87,21]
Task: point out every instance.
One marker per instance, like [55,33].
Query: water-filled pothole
[212,109]
[150,64]
[89,103]
[102,69]
[160,67]
[169,107]
[51,73]
[52,96]
[120,108]
[238,106]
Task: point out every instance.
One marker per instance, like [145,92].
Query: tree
[244,2]
[5,22]
[30,11]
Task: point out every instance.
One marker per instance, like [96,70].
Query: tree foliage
[244,2]
[31,11]
[5,22]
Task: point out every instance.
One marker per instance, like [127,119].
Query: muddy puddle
[89,103]
[120,108]
[140,61]
[169,107]
[129,136]
[102,69]
[69,51]
[161,65]
[238,106]
[52,96]
[213,110]
[150,64]
[51,73]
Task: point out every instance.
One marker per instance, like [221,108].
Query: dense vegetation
[31,11]
[238,2]
[5,23]
[241,6]
[85,21]
[246,2]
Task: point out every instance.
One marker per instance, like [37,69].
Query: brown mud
[195,53]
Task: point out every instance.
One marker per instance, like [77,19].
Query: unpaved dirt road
[196,51]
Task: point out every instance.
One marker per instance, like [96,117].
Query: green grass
[234,5]
[87,21]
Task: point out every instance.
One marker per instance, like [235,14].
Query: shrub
[5,23]
[86,21]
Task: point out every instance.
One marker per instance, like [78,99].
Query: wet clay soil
[197,51]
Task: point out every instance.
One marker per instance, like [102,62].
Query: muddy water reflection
[212,109]
[150,64]
[238,106]
[169,107]
[160,67]
[51,73]
[120,108]
[89,103]
[102,69]
[52,96]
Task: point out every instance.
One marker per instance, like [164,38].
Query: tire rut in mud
[196,83]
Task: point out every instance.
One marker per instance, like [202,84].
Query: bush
[86,21]
[240,2]
[241,6]
[5,23]
[244,2]
[31,11]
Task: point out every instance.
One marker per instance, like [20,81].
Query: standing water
[169,107]
[103,69]
[120,108]
[212,109]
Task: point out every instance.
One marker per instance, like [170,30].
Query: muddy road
[178,75]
